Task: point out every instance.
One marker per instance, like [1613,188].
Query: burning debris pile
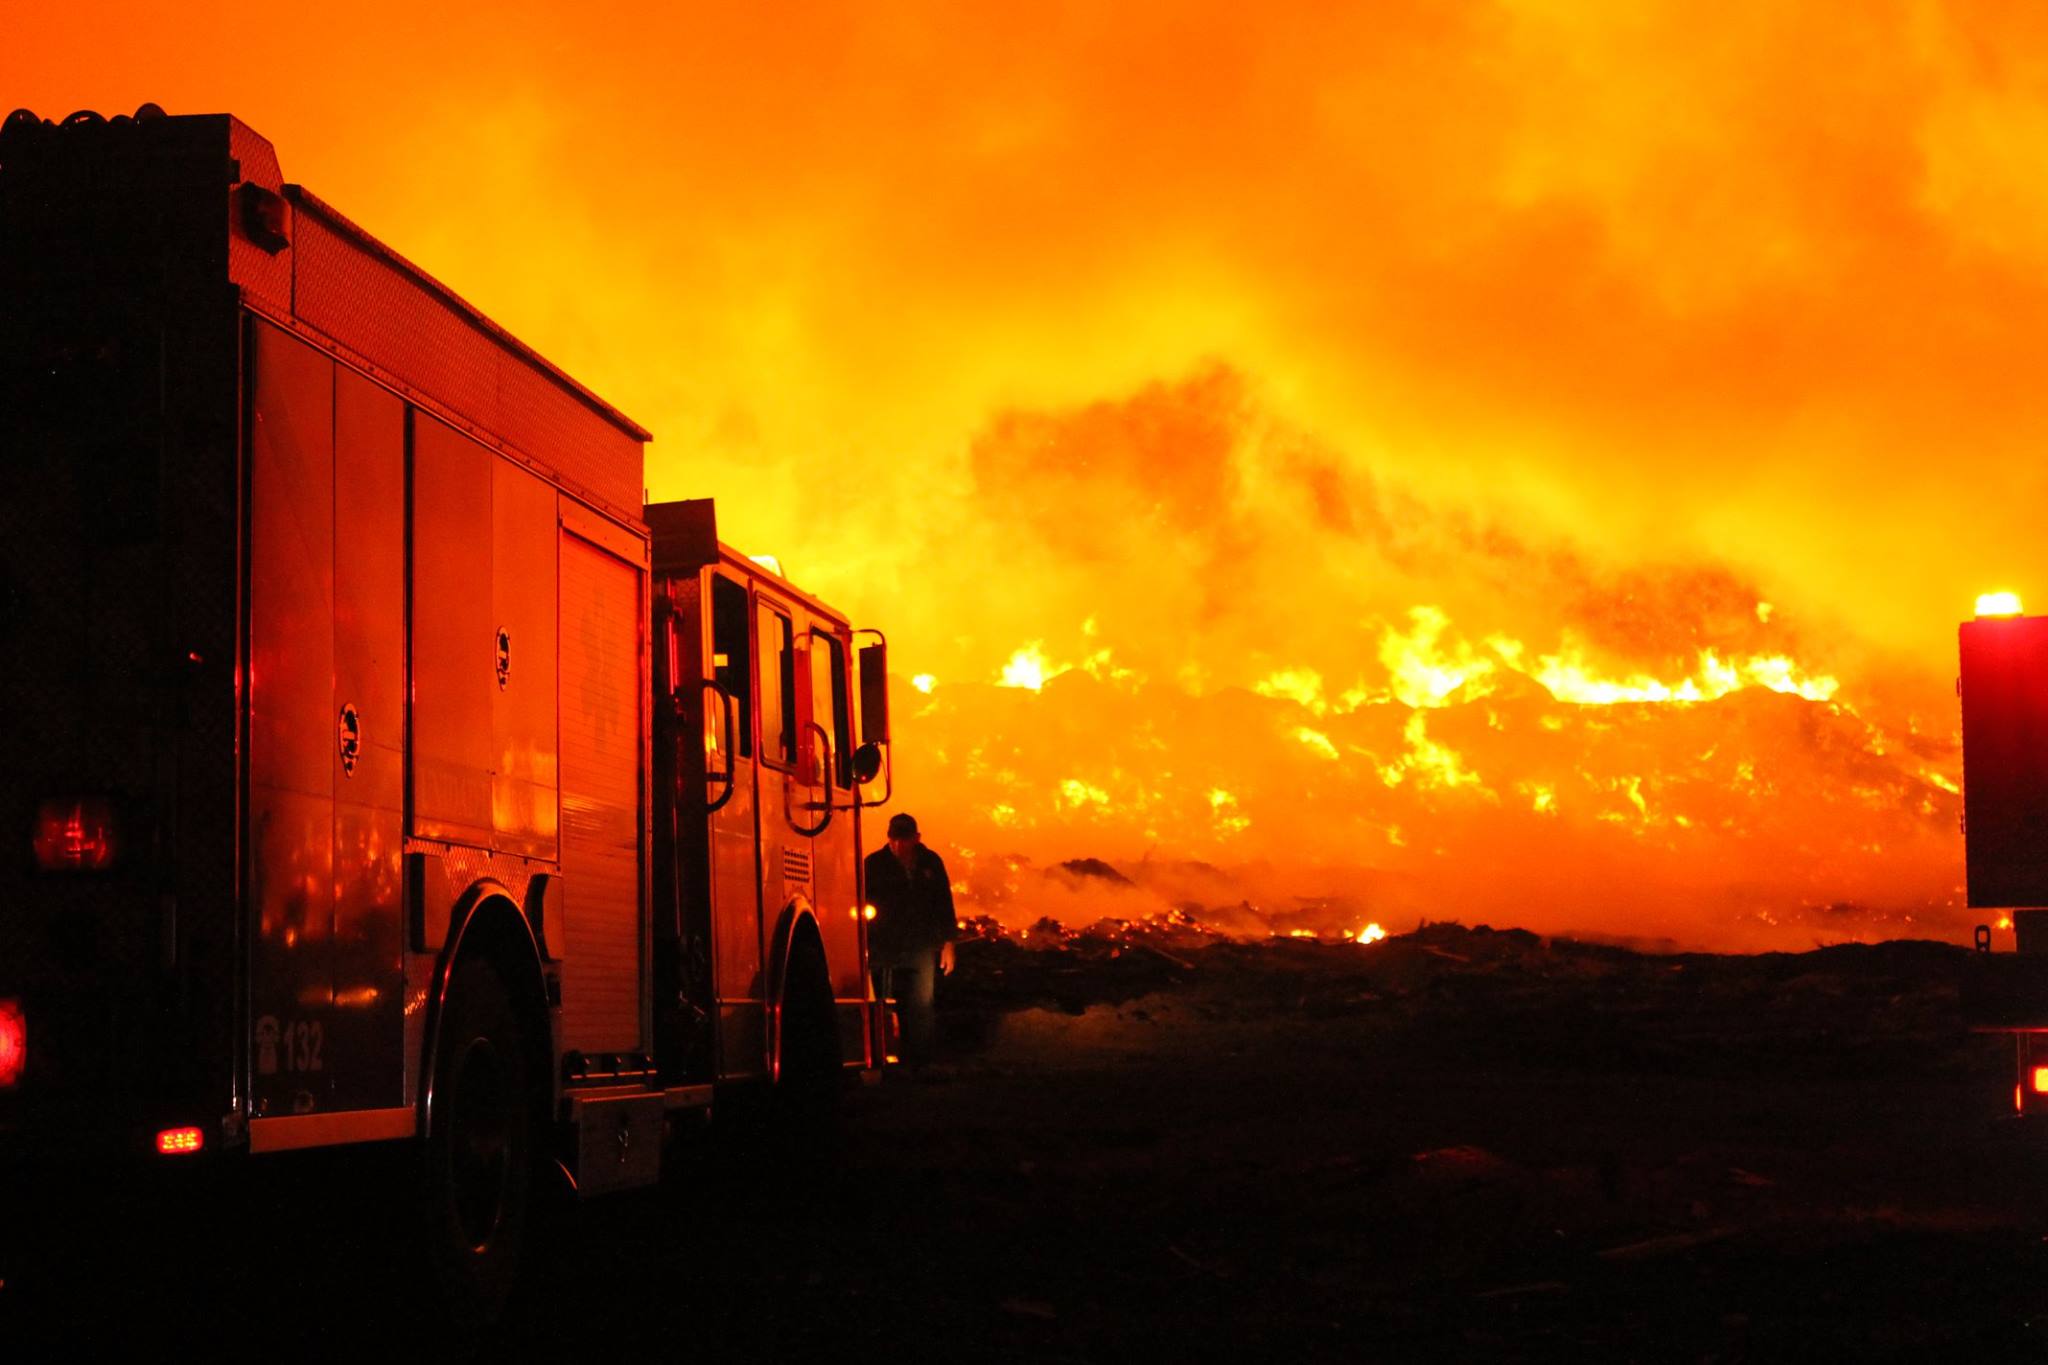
[1759,819]
[1256,673]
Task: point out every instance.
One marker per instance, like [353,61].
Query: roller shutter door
[600,776]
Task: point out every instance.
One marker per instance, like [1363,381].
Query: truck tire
[480,1146]
[808,1081]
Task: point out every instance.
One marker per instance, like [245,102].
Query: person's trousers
[911,979]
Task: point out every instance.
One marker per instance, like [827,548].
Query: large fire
[1655,751]
[1514,462]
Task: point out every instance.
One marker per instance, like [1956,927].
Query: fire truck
[380,768]
[2003,687]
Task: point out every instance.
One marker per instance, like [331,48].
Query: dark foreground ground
[1453,1145]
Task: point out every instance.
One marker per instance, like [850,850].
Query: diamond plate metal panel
[417,333]
[265,277]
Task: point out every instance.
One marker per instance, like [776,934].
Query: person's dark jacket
[914,908]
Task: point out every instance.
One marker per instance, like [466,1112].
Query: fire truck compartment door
[454,683]
[325,755]
[523,593]
[602,947]
[735,888]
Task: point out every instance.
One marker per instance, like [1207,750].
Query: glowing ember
[1428,665]
[1999,604]
[1223,806]
[1303,685]
[1424,673]
[1431,764]
[1569,679]
[1371,933]
[1317,741]
[1075,794]
[1029,668]
[924,682]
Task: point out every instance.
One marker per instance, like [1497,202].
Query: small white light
[1999,604]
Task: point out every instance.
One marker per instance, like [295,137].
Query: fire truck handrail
[825,770]
[712,686]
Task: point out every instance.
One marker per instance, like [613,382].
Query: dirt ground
[1453,1145]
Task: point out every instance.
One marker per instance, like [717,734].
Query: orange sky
[1237,331]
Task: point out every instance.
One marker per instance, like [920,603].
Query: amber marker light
[1999,604]
[177,1141]
[2041,1080]
[867,912]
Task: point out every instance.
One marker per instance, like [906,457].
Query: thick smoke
[1185,636]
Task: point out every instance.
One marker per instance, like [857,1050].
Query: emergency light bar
[1998,604]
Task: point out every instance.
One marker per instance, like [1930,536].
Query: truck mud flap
[618,1139]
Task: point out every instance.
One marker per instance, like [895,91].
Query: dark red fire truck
[379,767]
[2003,685]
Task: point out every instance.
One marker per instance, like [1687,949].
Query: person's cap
[902,827]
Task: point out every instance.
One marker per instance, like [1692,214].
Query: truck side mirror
[867,763]
[874,691]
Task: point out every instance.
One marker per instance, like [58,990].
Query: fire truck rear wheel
[480,1145]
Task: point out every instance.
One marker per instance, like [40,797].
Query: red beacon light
[13,1043]
[1999,604]
[75,835]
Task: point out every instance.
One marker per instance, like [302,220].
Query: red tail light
[177,1141]
[76,835]
[13,1043]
